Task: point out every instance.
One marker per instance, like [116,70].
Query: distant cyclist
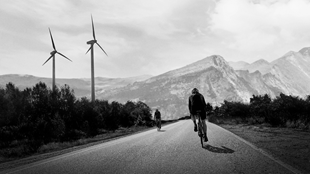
[157,117]
[197,107]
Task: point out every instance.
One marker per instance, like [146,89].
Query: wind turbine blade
[48,59]
[89,48]
[64,56]
[92,22]
[52,39]
[102,49]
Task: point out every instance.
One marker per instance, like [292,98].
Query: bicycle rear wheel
[200,131]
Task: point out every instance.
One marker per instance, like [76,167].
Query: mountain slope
[294,71]
[81,87]
[213,76]
[240,65]
[169,92]
[218,81]
[289,74]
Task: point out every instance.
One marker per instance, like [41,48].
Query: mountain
[260,65]
[294,71]
[169,92]
[238,65]
[263,84]
[216,79]
[289,74]
[81,86]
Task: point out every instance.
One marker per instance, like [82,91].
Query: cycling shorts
[203,115]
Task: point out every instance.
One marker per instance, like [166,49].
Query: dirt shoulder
[291,146]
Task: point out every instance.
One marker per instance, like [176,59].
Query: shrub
[38,116]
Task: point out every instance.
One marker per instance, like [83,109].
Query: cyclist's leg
[193,117]
[159,123]
[204,125]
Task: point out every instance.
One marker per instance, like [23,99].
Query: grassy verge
[291,146]
[58,148]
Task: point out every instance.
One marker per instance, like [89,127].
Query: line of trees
[284,110]
[38,115]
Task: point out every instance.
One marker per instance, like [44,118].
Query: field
[292,146]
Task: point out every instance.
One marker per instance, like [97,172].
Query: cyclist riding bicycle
[197,107]
[157,118]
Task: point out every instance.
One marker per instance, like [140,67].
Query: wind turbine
[91,43]
[53,56]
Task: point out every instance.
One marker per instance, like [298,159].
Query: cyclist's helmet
[195,91]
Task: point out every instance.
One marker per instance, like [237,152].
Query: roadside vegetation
[38,119]
[280,126]
[282,111]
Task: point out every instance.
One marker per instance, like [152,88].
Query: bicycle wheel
[200,131]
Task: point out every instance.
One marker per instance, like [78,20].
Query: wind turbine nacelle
[92,42]
[53,52]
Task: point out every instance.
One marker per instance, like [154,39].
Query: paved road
[175,149]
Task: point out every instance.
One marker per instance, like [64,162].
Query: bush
[38,116]
[284,110]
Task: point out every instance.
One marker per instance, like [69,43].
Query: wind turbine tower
[91,43]
[53,56]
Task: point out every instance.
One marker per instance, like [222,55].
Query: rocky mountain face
[289,74]
[169,92]
[218,81]
[215,78]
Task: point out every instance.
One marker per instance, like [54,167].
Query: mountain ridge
[216,79]
[81,86]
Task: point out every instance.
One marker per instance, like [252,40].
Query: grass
[289,144]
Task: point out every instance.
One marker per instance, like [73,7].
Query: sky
[146,36]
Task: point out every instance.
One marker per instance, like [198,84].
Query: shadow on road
[222,149]
[161,131]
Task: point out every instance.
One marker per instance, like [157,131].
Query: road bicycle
[158,124]
[200,129]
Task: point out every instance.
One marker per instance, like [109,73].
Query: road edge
[283,164]
[14,164]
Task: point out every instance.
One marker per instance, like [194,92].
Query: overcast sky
[146,36]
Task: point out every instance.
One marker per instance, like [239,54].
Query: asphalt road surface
[174,149]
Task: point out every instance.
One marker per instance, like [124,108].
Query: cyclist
[197,107]
[157,118]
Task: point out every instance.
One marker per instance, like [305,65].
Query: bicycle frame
[158,124]
[200,130]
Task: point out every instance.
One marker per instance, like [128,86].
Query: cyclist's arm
[204,102]
[190,105]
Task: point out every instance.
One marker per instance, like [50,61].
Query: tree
[260,106]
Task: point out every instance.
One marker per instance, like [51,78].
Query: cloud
[146,37]
[253,26]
